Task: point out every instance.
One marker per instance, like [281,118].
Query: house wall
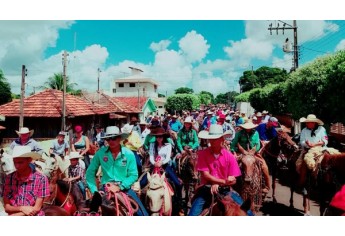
[145,90]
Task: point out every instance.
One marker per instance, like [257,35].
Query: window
[160,106]
[132,85]
[114,90]
[155,87]
[121,85]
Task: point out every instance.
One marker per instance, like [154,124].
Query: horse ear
[148,176]
[246,205]
[95,202]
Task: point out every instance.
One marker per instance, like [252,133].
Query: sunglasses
[112,138]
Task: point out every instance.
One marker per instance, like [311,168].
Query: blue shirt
[266,134]
[175,126]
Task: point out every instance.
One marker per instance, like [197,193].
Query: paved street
[282,207]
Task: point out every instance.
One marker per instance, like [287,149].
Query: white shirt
[144,134]
[164,152]
[320,135]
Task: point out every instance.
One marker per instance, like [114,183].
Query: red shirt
[221,167]
[25,193]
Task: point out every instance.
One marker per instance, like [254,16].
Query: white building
[134,85]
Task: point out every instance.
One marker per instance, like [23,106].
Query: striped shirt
[74,171]
[25,193]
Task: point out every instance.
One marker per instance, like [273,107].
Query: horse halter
[67,197]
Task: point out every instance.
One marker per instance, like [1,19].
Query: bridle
[55,195]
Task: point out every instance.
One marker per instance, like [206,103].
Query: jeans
[82,188]
[141,211]
[138,160]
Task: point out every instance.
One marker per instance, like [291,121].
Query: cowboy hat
[113,131]
[215,132]
[62,133]
[188,120]
[174,116]
[248,125]
[158,131]
[311,118]
[127,128]
[25,152]
[25,130]
[142,122]
[265,112]
[258,114]
[78,129]
[74,155]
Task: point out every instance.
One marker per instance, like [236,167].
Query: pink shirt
[221,167]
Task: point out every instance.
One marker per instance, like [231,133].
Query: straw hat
[311,118]
[188,120]
[25,130]
[215,132]
[248,125]
[158,131]
[265,112]
[25,152]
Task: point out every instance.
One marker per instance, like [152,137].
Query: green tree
[179,102]
[160,95]
[226,98]
[5,90]
[56,82]
[206,97]
[184,90]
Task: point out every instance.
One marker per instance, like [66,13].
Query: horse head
[286,143]
[248,163]
[155,192]
[47,165]
[231,205]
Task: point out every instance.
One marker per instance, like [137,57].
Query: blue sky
[201,54]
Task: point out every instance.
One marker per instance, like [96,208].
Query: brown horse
[228,205]
[186,170]
[251,179]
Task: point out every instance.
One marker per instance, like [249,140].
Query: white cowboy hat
[248,125]
[127,128]
[25,130]
[24,152]
[258,114]
[73,155]
[113,131]
[188,120]
[209,113]
[216,131]
[311,118]
[142,122]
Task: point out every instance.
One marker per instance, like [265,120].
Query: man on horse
[25,139]
[59,146]
[118,165]
[25,189]
[246,139]
[218,168]
[187,138]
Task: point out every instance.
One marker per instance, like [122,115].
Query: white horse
[6,167]
[159,195]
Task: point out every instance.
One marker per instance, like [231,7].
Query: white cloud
[214,85]
[283,63]
[194,46]
[340,45]
[160,46]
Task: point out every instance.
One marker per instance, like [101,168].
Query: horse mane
[75,191]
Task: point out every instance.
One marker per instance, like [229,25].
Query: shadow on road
[277,209]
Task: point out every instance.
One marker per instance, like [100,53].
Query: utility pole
[64,61]
[293,27]
[98,75]
[22,96]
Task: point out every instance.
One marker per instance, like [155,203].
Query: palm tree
[56,82]
[5,89]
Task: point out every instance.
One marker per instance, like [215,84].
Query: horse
[228,205]
[251,179]
[158,195]
[282,144]
[186,170]
[337,204]
[331,178]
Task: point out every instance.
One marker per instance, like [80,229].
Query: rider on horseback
[218,168]
[118,166]
[246,139]
[187,138]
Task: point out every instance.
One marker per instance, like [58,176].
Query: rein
[126,202]
[69,193]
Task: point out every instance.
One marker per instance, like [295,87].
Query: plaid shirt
[74,171]
[25,193]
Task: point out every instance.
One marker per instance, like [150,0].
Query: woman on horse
[81,144]
[160,155]
[246,139]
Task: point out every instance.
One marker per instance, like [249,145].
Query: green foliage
[244,97]
[206,97]
[181,102]
[5,90]
[15,96]
[56,82]
[258,98]
[262,77]
[277,99]
[226,98]
[160,95]
[183,90]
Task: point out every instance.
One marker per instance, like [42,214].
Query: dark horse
[186,170]
[281,144]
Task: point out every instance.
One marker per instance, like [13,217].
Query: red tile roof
[110,104]
[48,103]
[133,101]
